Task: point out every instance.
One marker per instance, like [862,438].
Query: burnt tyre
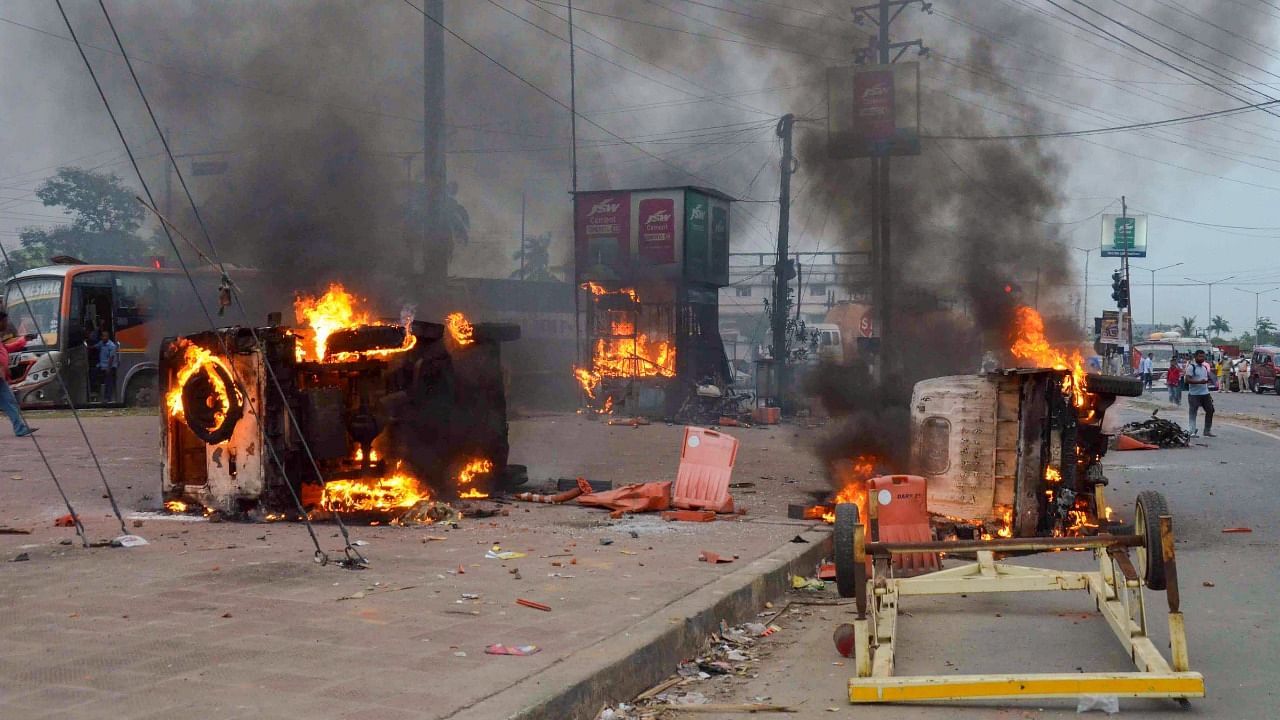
[1118,385]
[849,571]
[1146,524]
[143,390]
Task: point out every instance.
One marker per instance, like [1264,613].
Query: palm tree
[1219,326]
[1188,326]
[536,260]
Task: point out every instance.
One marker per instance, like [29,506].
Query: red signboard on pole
[657,242]
[873,98]
[602,226]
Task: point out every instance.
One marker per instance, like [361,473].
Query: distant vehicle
[1164,346]
[66,303]
[830,347]
[1262,370]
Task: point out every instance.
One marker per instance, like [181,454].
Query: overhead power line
[1116,128]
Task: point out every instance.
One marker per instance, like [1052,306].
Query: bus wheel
[142,391]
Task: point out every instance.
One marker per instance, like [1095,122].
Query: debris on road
[1237,530]
[689,515]
[516,650]
[714,558]
[497,553]
[532,604]
[1154,431]
[21,557]
[14,531]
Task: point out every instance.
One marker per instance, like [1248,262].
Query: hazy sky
[1220,172]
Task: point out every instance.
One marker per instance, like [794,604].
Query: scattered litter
[740,485]
[359,543]
[14,531]
[634,534]
[64,521]
[128,541]
[561,575]
[497,553]
[606,541]
[1109,704]
[628,552]
[461,570]
[798,539]
[21,557]
[1208,583]
[518,650]
[714,558]
[433,538]
[427,512]
[827,571]
[802,583]
[710,708]
[1237,530]
[532,604]
[470,596]
[459,654]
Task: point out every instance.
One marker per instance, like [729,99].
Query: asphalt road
[1228,481]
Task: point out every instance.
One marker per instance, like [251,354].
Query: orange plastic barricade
[634,498]
[706,463]
[902,515]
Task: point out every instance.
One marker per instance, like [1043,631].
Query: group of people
[1197,377]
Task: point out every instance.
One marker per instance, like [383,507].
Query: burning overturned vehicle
[352,415]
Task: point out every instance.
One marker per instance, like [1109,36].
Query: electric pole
[787,166]
[885,12]
[1124,215]
[436,230]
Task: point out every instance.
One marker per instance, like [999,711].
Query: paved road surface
[1229,481]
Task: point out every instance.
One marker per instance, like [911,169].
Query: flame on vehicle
[197,360]
[460,329]
[399,490]
[337,309]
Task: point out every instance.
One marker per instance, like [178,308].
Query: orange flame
[852,476]
[337,310]
[175,506]
[473,469]
[398,490]
[1031,345]
[460,329]
[474,494]
[588,380]
[196,359]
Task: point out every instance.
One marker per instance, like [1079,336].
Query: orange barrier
[1124,442]
[638,497]
[901,509]
[706,464]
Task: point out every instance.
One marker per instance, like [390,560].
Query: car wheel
[142,391]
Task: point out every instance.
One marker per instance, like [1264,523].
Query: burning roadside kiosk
[388,414]
[649,264]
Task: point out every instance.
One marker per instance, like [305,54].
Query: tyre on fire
[200,406]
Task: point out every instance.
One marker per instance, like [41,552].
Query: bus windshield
[33,304]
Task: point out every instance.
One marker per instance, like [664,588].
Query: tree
[536,263]
[104,225]
[1266,331]
[1188,326]
[1219,326]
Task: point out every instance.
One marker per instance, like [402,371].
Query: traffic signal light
[1119,290]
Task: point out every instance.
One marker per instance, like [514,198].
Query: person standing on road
[1199,378]
[1145,369]
[8,401]
[1174,381]
[108,363]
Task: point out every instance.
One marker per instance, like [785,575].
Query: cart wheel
[1146,523]
[849,572]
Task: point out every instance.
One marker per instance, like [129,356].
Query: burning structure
[649,264]
[361,416]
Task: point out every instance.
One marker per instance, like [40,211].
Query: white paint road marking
[1246,427]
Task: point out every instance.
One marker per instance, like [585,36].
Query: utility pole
[436,231]
[1084,289]
[1153,272]
[523,242]
[1211,284]
[1257,314]
[885,12]
[573,105]
[786,167]
[1128,286]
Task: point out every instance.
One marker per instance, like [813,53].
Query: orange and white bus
[70,304]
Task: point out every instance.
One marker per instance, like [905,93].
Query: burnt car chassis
[865,571]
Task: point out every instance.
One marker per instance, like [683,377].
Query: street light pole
[1257,296]
[1084,289]
[1211,284]
[1153,288]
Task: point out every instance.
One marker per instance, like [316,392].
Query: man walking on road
[9,402]
[1199,377]
[1145,370]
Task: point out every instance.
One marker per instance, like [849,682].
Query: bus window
[136,300]
[43,296]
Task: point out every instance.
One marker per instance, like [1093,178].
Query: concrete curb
[620,667]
